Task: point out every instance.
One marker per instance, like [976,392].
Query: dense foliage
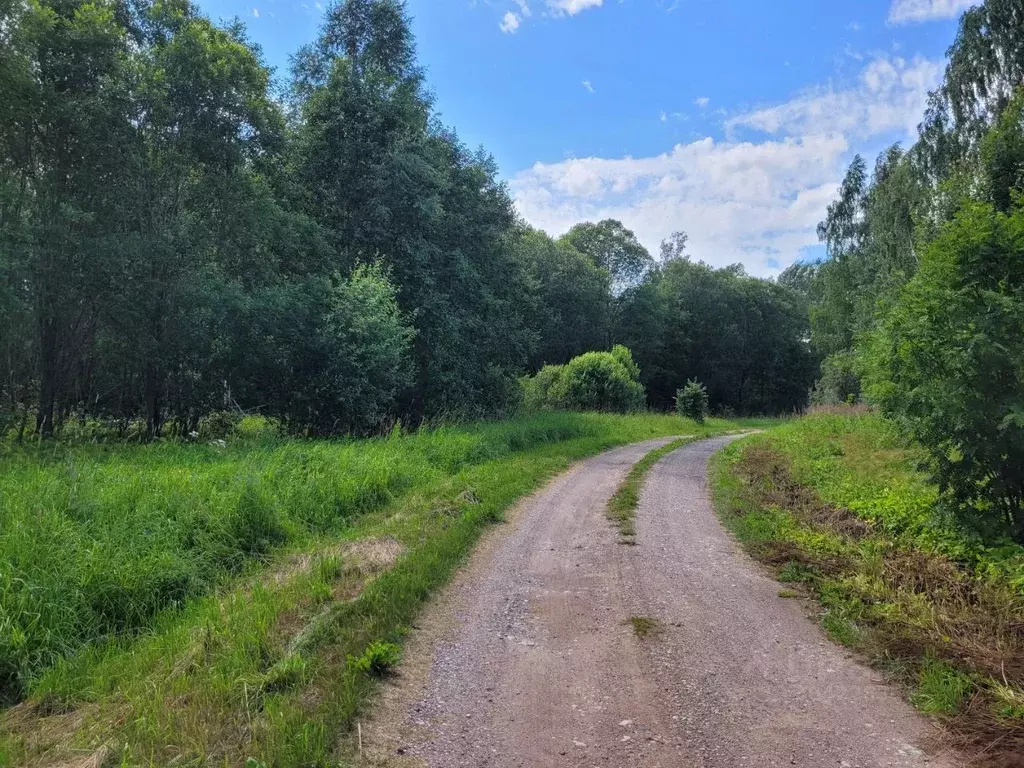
[948,363]
[744,338]
[921,300]
[594,381]
[176,240]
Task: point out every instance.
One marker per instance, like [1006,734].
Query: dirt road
[530,659]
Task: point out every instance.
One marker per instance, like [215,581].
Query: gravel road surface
[530,658]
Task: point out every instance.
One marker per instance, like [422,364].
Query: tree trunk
[152,398]
[47,379]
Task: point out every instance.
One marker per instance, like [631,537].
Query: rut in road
[529,659]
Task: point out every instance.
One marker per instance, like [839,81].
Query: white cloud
[589,86]
[256,13]
[914,11]
[756,202]
[510,23]
[702,101]
[513,19]
[572,7]
[739,202]
[890,95]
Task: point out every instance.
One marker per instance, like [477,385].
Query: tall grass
[97,541]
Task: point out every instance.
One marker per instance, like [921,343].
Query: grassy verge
[271,652]
[837,507]
[622,506]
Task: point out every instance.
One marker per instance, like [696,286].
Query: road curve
[529,659]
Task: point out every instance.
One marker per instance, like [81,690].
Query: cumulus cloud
[756,202]
[702,101]
[916,11]
[589,86]
[739,202]
[510,23]
[572,7]
[890,95]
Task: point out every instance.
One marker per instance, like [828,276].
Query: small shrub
[219,425]
[692,401]
[379,659]
[255,427]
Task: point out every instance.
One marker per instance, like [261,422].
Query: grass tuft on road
[836,505]
[622,506]
[645,627]
[299,568]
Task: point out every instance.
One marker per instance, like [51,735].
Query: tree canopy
[178,239]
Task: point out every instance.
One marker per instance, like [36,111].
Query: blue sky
[730,119]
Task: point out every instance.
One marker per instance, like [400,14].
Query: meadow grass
[204,605]
[839,506]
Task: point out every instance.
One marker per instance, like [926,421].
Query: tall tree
[744,338]
[63,109]
[569,310]
[614,248]
[391,185]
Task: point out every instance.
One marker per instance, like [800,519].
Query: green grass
[941,689]
[838,504]
[644,626]
[257,650]
[622,506]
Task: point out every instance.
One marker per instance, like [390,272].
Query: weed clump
[379,659]
[645,626]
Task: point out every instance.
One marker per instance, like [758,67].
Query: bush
[947,361]
[218,425]
[341,352]
[595,381]
[839,384]
[256,427]
[692,401]
[537,389]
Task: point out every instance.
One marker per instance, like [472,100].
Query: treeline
[180,235]
[919,307]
